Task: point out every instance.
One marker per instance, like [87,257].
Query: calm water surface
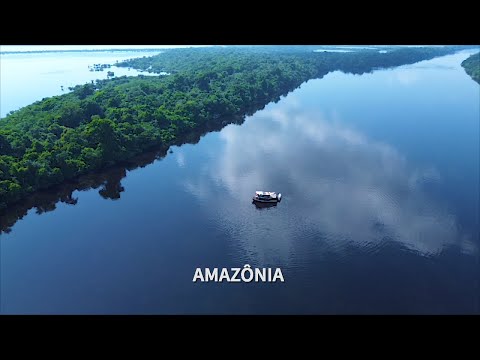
[380,181]
[26,78]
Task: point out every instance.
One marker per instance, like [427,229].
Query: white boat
[267,197]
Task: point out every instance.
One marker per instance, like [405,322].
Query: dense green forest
[99,124]
[472,66]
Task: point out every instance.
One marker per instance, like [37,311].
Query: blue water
[380,181]
[25,78]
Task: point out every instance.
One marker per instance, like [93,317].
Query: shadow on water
[263,206]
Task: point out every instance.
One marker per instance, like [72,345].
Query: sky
[4,48]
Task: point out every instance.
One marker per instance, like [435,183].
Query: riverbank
[102,124]
[472,67]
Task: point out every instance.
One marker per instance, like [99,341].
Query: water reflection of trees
[112,187]
[108,181]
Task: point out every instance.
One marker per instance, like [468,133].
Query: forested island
[100,124]
[472,67]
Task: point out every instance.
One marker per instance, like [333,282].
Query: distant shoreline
[101,124]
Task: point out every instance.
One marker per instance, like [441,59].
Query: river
[380,211]
[27,77]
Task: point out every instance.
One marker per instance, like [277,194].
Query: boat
[267,197]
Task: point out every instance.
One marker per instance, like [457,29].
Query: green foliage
[471,66]
[97,125]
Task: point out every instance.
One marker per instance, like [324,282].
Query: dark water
[380,181]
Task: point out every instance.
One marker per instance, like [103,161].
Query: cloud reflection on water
[336,182]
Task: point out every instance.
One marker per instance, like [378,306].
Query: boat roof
[264,192]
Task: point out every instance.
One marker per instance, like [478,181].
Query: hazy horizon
[25,48]
[46,48]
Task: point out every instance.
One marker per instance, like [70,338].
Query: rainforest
[99,124]
[472,67]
